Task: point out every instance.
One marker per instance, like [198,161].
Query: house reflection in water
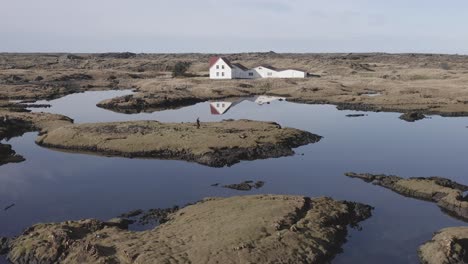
[221,107]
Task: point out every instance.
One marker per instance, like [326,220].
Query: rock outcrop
[412,116]
[448,246]
[247,229]
[214,144]
[14,124]
[446,193]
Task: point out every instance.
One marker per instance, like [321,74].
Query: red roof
[213,60]
[214,111]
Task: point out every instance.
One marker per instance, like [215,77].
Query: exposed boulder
[356,115]
[412,116]
[8,155]
[245,186]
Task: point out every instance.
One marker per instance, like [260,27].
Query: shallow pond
[57,186]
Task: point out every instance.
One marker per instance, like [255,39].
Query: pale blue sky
[234,26]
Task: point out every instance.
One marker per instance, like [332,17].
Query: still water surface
[56,186]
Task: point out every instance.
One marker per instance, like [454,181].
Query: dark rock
[447,194]
[8,155]
[361,67]
[259,184]
[73,57]
[412,116]
[74,77]
[4,245]
[245,186]
[157,215]
[8,207]
[36,105]
[117,55]
[11,127]
[245,85]
[121,223]
[355,115]
[132,213]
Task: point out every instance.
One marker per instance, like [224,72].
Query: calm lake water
[56,186]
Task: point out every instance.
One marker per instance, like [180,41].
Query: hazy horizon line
[232,53]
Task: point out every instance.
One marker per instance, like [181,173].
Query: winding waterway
[56,186]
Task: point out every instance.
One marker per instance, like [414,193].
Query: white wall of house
[291,74]
[262,72]
[221,70]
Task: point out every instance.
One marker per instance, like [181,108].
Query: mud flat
[448,246]
[446,193]
[214,144]
[246,229]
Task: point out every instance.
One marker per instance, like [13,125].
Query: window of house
[217,105]
[217,73]
[270,74]
[250,73]
[217,67]
[222,74]
[222,67]
[222,105]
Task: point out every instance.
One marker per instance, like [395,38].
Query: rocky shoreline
[448,246]
[215,144]
[132,105]
[11,127]
[14,124]
[447,194]
[245,229]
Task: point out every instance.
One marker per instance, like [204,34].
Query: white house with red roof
[222,68]
[219,108]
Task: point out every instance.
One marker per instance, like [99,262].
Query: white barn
[222,68]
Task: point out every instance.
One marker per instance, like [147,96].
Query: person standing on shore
[198,123]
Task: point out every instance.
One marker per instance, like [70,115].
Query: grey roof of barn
[213,60]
